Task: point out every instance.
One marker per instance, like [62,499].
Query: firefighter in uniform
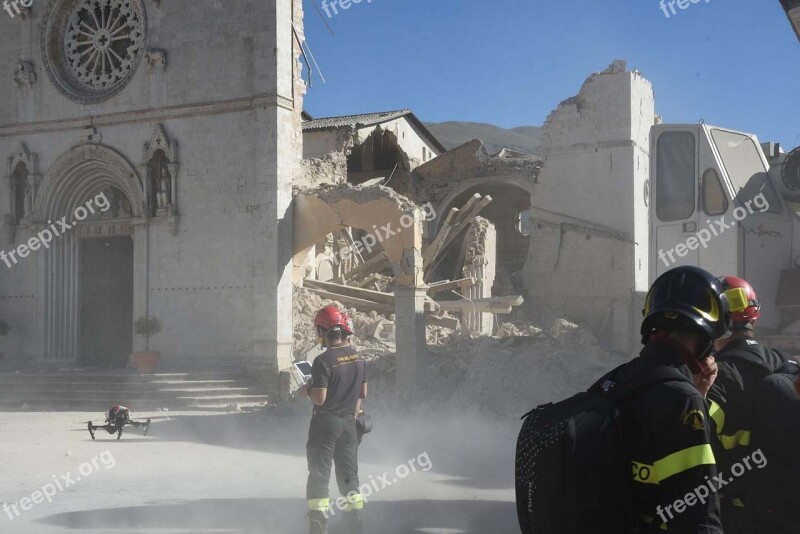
[338,383]
[667,423]
[745,399]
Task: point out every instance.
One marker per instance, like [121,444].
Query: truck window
[760,191]
[675,170]
[747,171]
[714,200]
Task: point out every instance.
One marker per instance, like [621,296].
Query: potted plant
[147,327]
[4,330]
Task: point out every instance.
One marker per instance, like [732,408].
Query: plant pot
[146,362]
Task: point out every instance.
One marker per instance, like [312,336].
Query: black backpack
[573,471]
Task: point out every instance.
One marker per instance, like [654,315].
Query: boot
[317,522]
[353,522]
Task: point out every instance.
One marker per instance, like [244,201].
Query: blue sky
[735,63]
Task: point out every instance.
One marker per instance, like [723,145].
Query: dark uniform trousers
[332,438]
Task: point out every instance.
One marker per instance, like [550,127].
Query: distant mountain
[454,133]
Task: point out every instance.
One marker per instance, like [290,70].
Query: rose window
[93,47]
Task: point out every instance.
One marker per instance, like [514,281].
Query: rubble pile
[307,304]
[521,366]
[509,374]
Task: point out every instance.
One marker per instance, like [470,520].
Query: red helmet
[752,306]
[331,317]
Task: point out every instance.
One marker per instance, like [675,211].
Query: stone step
[93,390]
[209,390]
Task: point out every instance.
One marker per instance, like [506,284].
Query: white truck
[721,201]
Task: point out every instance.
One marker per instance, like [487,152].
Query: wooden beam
[371,264]
[358,297]
[433,249]
[465,209]
[351,291]
[469,212]
[448,285]
[361,304]
[446,322]
[499,305]
[371,279]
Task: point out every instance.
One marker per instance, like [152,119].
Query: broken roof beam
[448,285]
[499,305]
[436,244]
[368,267]
[351,291]
[382,302]
[450,233]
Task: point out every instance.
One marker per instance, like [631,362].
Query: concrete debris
[374,332]
[522,366]
[562,326]
[511,330]
[329,169]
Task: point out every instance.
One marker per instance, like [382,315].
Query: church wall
[217,280]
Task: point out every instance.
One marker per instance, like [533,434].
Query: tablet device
[303,370]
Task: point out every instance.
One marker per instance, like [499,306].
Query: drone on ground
[117,418]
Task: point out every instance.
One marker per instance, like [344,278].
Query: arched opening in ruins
[378,156]
[509,212]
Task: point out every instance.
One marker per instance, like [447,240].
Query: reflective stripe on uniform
[650,520]
[320,505]
[354,502]
[673,464]
[742,437]
[718,415]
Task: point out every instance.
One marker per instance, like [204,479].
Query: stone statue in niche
[164,190]
[161,174]
[160,184]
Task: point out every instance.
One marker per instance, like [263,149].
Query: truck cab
[717,202]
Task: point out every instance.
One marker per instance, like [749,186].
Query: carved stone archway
[83,173]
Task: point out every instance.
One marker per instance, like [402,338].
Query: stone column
[410,292]
[412,345]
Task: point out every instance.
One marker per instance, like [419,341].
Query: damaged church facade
[223,195]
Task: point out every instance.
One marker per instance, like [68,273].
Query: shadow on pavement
[286,516]
[249,431]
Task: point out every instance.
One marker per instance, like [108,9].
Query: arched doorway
[509,211]
[91,201]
